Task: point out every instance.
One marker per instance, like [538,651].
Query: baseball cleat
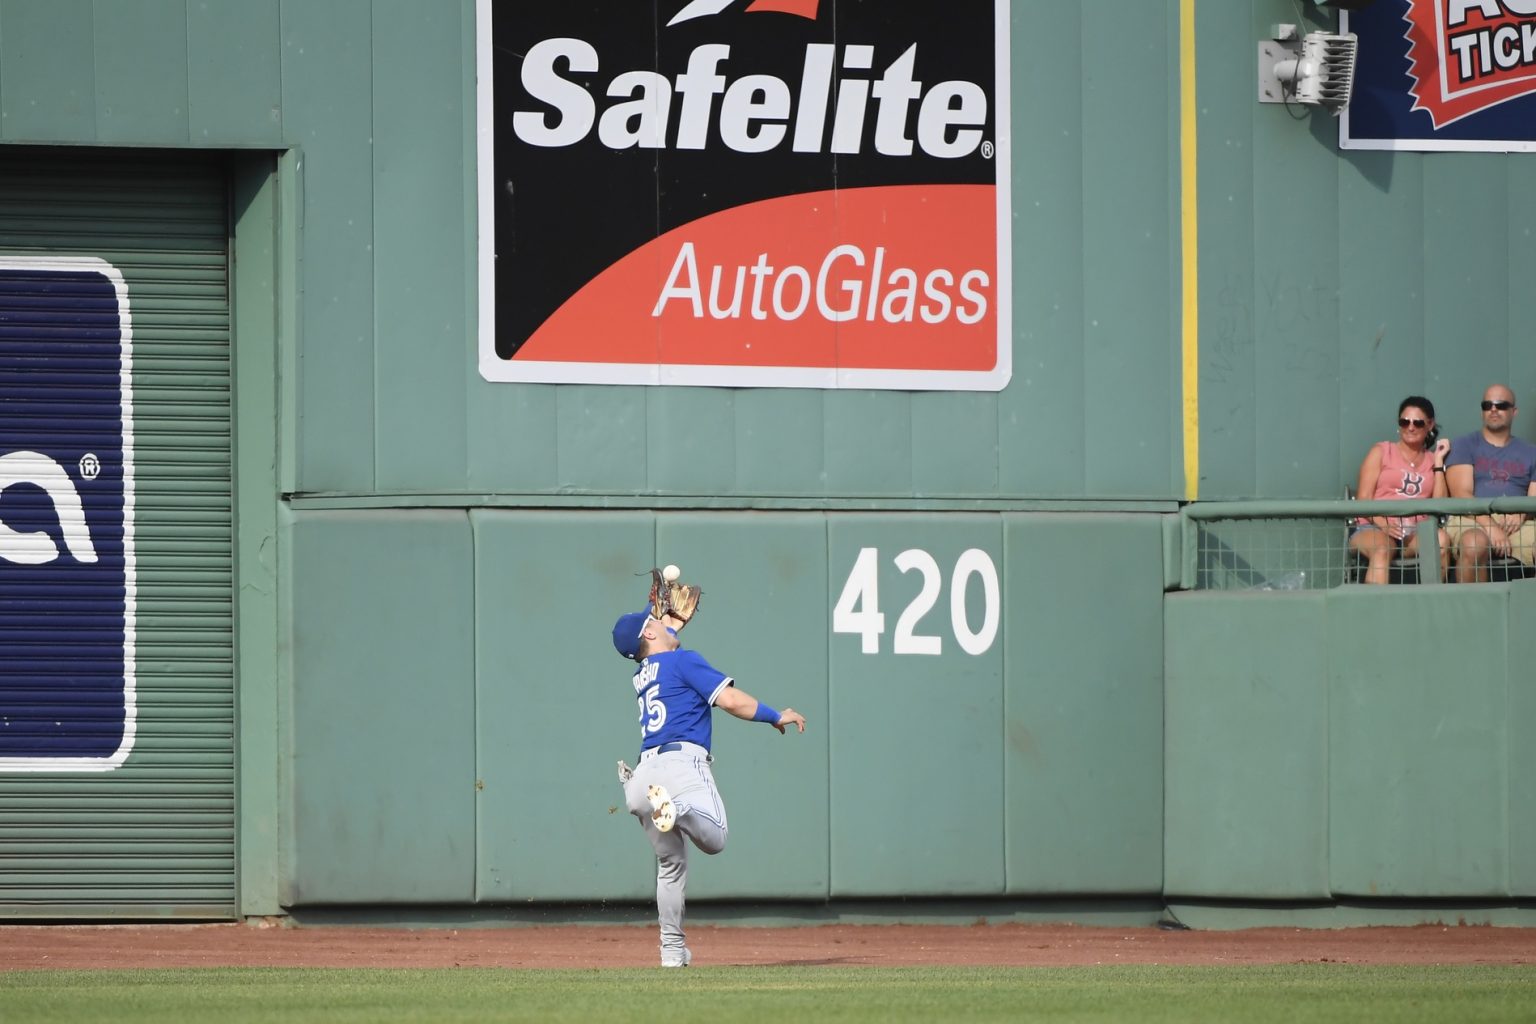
[663,814]
[625,773]
[670,959]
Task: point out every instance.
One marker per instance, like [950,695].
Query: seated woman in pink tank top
[1413,466]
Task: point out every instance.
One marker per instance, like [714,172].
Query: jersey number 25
[653,713]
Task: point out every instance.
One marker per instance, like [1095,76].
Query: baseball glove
[679,600]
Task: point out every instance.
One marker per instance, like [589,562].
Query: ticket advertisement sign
[67,568]
[745,193]
[1443,75]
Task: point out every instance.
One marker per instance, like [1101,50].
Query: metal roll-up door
[116,633]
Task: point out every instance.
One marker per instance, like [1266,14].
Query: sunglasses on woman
[1501,406]
[1406,423]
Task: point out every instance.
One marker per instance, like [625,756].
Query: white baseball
[671,573]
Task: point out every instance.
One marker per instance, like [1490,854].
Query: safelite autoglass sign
[745,193]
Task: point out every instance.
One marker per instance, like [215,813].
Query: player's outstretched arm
[748,708]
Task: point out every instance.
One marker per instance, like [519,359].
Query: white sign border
[115,759]
[494,368]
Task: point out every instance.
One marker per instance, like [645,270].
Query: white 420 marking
[858,608]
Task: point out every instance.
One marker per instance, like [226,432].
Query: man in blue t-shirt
[671,788]
[1491,463]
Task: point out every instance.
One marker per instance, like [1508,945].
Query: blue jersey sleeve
[701,676]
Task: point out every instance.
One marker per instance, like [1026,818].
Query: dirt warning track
[74,947]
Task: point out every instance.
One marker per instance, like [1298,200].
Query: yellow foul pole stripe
[1190,248]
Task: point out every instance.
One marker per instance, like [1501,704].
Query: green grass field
[719,995]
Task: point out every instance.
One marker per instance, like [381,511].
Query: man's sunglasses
[1501,406]
[1406,423]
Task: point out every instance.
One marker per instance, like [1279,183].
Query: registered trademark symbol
[90,466]
[987,149]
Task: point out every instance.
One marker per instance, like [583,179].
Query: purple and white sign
[67,574]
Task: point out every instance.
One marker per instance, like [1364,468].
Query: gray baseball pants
[700,816]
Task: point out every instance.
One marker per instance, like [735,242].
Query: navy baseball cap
[626,633]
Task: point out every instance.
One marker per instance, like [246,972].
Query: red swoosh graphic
[804,8]
[917,320]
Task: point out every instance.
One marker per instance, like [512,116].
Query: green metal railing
[1304,545]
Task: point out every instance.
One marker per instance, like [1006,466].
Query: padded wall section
[1083,700]
[1247,746]
[381,768]
[916,738]
[1390,762]
[1521,722]
[1418,749]
[554,708]
[763,621]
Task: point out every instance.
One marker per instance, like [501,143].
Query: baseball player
[671,789]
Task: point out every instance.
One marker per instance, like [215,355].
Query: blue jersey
[676,691]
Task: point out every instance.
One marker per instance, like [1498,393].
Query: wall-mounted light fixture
[1314,70]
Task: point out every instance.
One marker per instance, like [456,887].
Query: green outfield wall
[1311,770]
[457,742]
[1211,301]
